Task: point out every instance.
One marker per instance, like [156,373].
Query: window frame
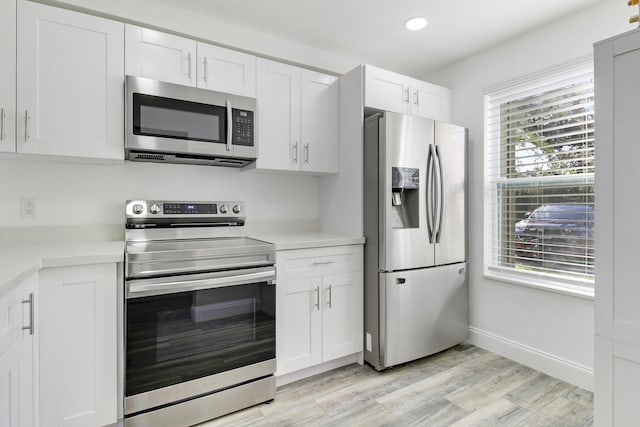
[524,86]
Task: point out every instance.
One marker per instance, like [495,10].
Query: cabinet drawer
[318,261]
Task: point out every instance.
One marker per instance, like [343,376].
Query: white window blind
[540,169]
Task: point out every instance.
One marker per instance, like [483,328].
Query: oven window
[181,337]
[173,118]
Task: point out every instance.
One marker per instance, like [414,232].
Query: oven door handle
[148,287]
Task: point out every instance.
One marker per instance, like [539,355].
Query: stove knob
[223,209]
[138,209]
[237,209]
[154,209]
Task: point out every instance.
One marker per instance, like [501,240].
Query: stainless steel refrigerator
[416,290]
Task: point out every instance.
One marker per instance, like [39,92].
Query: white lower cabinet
[78,344]
[320,305]
[18,356]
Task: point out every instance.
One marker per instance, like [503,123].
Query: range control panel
[163,209]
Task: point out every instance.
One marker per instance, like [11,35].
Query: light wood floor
[463,386]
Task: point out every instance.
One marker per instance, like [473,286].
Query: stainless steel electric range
[199,313]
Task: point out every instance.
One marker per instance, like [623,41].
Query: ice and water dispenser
[405,190]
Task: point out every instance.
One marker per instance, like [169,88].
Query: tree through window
[540,168]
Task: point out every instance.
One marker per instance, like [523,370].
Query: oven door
[190,335]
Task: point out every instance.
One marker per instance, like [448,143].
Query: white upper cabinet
[160,56]
[430,101]
[297,119]
[319,122]
[69,83]
[388,91]
[174,59]
[278,90]
[8,76]
[226,70]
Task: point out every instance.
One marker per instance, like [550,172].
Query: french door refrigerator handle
[442,198]
[429,196]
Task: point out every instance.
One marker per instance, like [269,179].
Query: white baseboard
[566,370]
[318,369]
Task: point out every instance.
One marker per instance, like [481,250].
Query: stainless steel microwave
[172,123]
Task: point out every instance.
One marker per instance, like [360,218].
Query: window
[540,169]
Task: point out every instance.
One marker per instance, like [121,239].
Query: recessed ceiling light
[416,23]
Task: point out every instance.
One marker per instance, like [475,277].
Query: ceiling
[371,31]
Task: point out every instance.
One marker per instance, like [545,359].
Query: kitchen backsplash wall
[73,193]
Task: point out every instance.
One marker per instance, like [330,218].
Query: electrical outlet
[27,207]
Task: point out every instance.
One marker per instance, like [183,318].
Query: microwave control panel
[243,125]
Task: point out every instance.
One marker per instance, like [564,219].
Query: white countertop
[286,241]
[19,261]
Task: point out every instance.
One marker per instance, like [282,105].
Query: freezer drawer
[422,312]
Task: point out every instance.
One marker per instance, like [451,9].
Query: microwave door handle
[229,124]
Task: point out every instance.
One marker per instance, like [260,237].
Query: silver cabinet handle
[29,301]
[317,305]
[306,152]
[230,123]
[416,97]
[323,262]
[329,292]
[295,152]
[406,95]
[204,76]
[26,125]
[189,65]
[3,117]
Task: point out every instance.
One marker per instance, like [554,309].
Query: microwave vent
[148,157]
[186,159]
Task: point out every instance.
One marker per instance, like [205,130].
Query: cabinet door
[278,90]
[78,376]
[319,122]
[301,319]
[10,359]
[159,56]
[69,83]
[430,101]
[385,90]
[342,323]
[8,76]
[29,361]
[226,70]
[10,386]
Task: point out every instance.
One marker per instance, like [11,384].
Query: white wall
[549,331]
[70,193]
